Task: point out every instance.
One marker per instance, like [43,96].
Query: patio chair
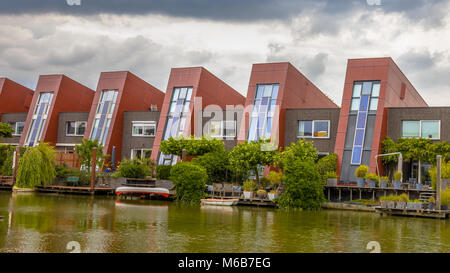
[217,188]
[237,190]
[227,189]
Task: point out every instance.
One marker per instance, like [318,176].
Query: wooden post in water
[16,163]
[94,166]
[438,182]
[183,155]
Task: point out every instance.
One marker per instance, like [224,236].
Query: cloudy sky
[148,37]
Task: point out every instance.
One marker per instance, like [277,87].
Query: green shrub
[275,179]
[133,168]
[63,172]
[302,150]
[249,185]
[445,197]
[403,198]
[327,164]
[303,186]
[398,176]
[190,181]
[216,164]
[445,173]
[361,171]
[6,160]
[163,171]
[193,146]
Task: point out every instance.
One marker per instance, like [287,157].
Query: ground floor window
[140,153]
[430,129]
[17,127]
[75,128]
[222,128]
[313,128]
[144,128]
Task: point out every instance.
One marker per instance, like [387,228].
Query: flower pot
[361,182]
[272,196]
[431,205]
[401,205]
[419,187]
[248,194]
[390,204]
[372,184]
[332,182]
[384,204]
[383,184]
[397,184]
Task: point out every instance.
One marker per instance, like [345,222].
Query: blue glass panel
[174,129]
[356,157]
[259,91]
[264,105]
[261,118]
[256,106]
[364,104]
[367,88]
[252,130]
[275,92]
[359,137]
[268,127]
[361,122]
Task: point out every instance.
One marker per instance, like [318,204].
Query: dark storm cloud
[228,10]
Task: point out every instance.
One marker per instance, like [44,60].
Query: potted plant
[360,173]
[275,179]
[331,179]
[397,180]
[431,203]
[261,194]
[391,199]
[249,187]
[384,182]
[414,205]
[384,201]
[373,179]
[402,201]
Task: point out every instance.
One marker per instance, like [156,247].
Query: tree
[326,165]
[193,146]
[216,164]
[439,148]
[84,152]
[248,156]
[416,149]
[190,181]
[37,166]
[303,187]
[389,146]
[302,150]
[5,130]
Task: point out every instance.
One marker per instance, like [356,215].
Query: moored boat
[142,190]
[219,202]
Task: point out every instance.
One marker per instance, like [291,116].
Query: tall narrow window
[263,111]
[39,118]
[103,116]
[364,100]
[176,119]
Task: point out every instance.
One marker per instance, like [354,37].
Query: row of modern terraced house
[130,117]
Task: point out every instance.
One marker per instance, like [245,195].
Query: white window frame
[43,121]
[420,129]
[223,129]
[143,124]
[15,127]
[313,126]
[140,149]
[77,124]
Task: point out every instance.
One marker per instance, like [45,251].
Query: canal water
[51,223]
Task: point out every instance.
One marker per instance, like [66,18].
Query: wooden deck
[356,192]
[76,190]
[256,202]
[437,214]
[6,183]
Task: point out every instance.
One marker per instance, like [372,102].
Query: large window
[17,127]
[39,117]
[144,128]
[103,115]
[176,118]
[222,128]
[140,153]
[75,128]
[364,100]
[314,129]
[430,129]
[263,111]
